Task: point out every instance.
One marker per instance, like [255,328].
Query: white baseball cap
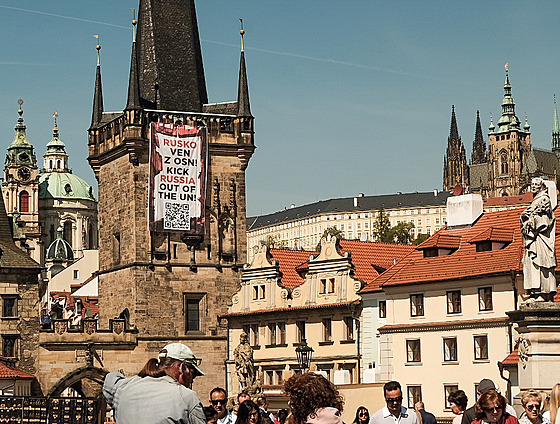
[182,353]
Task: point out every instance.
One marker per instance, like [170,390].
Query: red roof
[512,358]
[494,234]
[288,261]
[9,372]
[509,200]
[465,262]
[442,239]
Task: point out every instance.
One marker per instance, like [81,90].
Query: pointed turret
[133,102]
[455,160]
[55,158]
[97,94]
[171,72]
[555,131]
[479,154]
[243,105]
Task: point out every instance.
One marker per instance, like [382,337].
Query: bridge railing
[53,410]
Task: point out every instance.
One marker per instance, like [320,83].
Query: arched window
[67,233]
[52,234]
[50,166]
[91,240]
[504,163]
[24,201]
[58,164]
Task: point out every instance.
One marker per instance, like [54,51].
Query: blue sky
[348,97]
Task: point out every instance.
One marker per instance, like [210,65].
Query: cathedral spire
[479,154]
[509,119]
[455,160]
[97,94]
[20,138]
[170,68]
[243,106]
[556,131]
[133,102]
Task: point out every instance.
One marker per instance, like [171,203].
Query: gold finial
[98,47]
[55,115]
[20,111]
[507,67]
[133,16]
[242,32]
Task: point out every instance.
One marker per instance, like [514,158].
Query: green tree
[420,238]
[272,242]
[332,231]
[381,228]
[401,233]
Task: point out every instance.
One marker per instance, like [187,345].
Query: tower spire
[133,102]
[97,94]
[243,105]
[479,154]
[455,166]
[509,119]
[170,68]
[556,131]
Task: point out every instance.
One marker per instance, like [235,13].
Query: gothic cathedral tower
[509,147]
[169,286]
[21,190]
[455,169]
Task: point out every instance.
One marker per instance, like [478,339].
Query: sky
[348,96]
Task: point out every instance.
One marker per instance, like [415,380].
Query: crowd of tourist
[161,393]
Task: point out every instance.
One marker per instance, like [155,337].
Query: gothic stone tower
[168,286]
[455,169]
[509,147]
[21,190]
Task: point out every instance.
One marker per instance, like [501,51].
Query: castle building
[158,285]
[39,201]
[510,163]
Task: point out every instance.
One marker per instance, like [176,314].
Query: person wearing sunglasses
[394,412]
[491,408]
[531,400]
[160,393]
[219,399]
[362,416]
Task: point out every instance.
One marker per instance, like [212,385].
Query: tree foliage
[381,228]
[272,242]
[420,238]
[402,233]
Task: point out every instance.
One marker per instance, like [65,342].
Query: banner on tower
[178,162]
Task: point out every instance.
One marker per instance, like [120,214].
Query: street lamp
[304,352]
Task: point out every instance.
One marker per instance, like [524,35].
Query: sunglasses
[531,407]
[394,400]
[219,402]
[364,413]
[495,409]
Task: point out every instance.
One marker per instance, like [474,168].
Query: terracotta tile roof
[294,308]
[9,372]
[465,262]
[370,259]
[288,262]
[494,234]
[512,358]
[509,200]
[442,239]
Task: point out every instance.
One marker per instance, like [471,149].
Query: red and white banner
[178,162]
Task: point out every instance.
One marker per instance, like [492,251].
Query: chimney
[355,202]
[435,192]
[293,205]
[464,210]
[360,194]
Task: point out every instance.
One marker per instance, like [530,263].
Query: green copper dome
[64,185]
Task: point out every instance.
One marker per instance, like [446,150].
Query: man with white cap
[160,393]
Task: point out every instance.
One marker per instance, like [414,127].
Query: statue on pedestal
[244,365]
[538,229]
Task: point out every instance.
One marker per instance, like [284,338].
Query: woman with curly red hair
[313,399]
[491,408]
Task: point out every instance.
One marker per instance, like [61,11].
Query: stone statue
[243,356]
[538,229]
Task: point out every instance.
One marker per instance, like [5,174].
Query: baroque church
[509,164]
[42,202]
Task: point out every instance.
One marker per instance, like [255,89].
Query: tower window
[68,232]
[24,201]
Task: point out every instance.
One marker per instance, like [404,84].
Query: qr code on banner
[176,217]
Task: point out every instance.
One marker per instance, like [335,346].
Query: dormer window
[483,246]
[492,239]
[440,244]
[431,252]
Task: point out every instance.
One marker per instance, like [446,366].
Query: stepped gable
[465,262]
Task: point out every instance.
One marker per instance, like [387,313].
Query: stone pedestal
[538,326]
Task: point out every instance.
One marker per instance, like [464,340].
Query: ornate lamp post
[304,352]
